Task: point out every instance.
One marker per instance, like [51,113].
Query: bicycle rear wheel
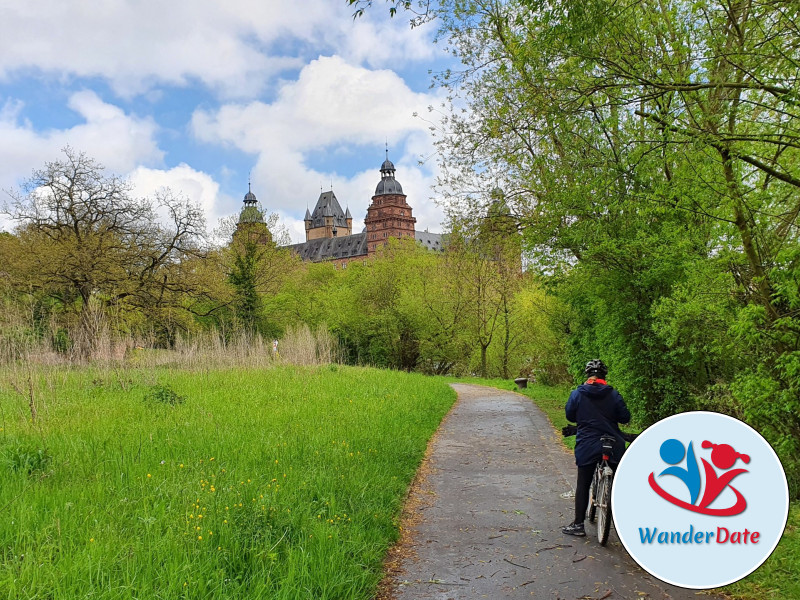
[604,509]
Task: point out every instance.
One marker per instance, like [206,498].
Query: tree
[88,244]
[642,142]
[256,271]
[255,268]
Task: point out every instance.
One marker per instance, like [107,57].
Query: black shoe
[574,529]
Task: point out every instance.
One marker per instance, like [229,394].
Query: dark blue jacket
[597,409]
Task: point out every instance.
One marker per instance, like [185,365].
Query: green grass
[155,483]
[776,579]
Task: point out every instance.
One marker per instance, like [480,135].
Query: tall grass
[217,483]
[299,346]
[95,340]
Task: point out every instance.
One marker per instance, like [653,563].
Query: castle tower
[328,219]
[251,220]
[389,215]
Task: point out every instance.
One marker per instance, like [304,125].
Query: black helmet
[596,367]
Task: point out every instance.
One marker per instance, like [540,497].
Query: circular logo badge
[700,500]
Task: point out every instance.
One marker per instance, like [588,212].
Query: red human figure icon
[724,457]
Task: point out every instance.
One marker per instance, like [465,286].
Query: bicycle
[602,480]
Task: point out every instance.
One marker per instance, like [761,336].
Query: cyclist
[598,409]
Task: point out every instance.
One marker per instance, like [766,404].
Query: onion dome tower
[251,220]
[389,215]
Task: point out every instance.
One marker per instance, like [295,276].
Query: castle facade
[329,229]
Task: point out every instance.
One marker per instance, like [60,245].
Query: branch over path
[497,489]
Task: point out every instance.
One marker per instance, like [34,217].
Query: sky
[203,96]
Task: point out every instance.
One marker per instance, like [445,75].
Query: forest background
[622,180]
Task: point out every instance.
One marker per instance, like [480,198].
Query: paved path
[498,478]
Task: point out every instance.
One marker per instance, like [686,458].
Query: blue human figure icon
[672,453]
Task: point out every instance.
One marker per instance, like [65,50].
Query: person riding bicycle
[598,409]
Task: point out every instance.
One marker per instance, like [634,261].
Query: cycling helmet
[596,367]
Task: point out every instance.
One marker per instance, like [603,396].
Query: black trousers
[585,475]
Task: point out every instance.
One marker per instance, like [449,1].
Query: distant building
[251,221]
[329,230]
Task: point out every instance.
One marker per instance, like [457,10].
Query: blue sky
[200,95]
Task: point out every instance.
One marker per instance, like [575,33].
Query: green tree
[256,271]
[642,143]
[85,242]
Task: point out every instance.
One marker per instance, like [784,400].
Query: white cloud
[117,140]
[331,104]
[198,187]
[231,46]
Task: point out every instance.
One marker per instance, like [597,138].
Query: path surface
[492,507]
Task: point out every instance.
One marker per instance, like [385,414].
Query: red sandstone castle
[329,230]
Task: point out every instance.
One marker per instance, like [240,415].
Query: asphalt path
[499,488]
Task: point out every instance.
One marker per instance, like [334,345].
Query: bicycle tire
[591,510]
[604,506]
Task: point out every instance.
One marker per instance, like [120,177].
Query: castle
[329,230]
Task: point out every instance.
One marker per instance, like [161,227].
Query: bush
[164,394]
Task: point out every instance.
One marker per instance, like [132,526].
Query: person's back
[598,409]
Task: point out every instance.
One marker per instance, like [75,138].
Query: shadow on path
[498,490]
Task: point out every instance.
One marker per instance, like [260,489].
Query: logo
[699,500]
[723,457]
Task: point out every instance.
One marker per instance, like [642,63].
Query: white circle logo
[700,500]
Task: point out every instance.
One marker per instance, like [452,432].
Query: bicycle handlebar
[571,430]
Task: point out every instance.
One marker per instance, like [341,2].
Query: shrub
[164,394]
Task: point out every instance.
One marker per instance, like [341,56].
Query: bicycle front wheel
[604,509]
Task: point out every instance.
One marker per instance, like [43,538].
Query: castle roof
[327,248]
[353,246]
[388,184]
[250,212]
[327,206]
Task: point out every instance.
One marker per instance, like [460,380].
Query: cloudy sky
[200,95]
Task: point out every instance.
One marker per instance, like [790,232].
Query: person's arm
[623,414]
[571,409]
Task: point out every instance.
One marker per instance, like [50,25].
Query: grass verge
[284,483]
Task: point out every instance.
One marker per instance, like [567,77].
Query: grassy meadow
[222,483]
